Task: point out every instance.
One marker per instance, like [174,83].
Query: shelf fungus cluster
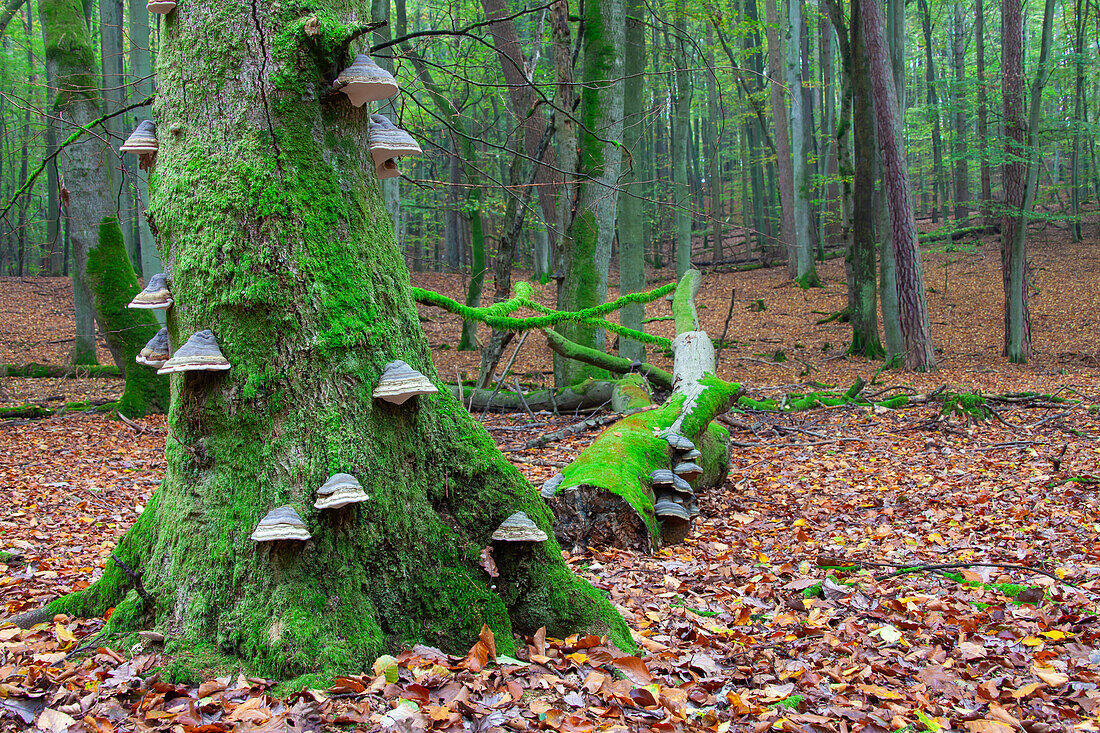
[518,528]
[400,381]
[340,490]
[155,295]
[163,7]
[674,496]
[200,353]
[387,143]
[282,523]
[365,81]
[143,141]
[155,353]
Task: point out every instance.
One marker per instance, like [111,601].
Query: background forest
[697,149]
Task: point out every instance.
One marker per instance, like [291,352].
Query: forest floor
[784,609]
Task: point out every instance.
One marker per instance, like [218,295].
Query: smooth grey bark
[113,84]
[775,75]
[962,169]
[631,212]
[983,113]
[1076,179]
[681,151]
[88,196]
[714,151]
[805,271]
[141,73]
[939,178]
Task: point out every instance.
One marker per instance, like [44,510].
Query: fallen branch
[136,577]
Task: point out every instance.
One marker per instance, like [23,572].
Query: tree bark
[309,300]
[806,272]
[1079,122]
[782,140]
[910,277]
[631,214]
[587,243]
[681,144]
[962,170]
[939,178]
[141,87]
[983,113]
[861,259]
[87,195]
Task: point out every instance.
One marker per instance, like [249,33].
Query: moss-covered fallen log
[606,496]
[59,371]
[33,411]
[588,395]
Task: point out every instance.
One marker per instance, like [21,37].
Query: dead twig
[136,576]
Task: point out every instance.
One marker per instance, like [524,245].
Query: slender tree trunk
[983,113]
[278,169]
[565,129]
[861,258]
[1079,122]
[23,254]
[806,272]
[681,145]
[714,152]
[631,206]
[962,171]
[939,178]
[1013,231]
[910,278]
[834,206]
[87,191]
[141,72]
[111,30]
[587,244]
[782,140]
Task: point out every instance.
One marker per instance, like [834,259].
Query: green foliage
[498,315]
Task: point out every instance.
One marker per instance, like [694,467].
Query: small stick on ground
[500,382]
[725,330]
[136,576]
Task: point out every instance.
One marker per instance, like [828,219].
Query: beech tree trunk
[806,272]
[87,197]
[681,146]
[910,277]
[269,178]
[962,169]
[782,139]
[983,113]
[631,210]
[939,178]
[587,243]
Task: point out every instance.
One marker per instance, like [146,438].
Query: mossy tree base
[274,232]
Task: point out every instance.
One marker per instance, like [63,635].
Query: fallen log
[55,371]
[610,494]
[588,395]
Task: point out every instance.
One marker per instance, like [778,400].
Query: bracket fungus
[388,141]
[688,470]
[164,7]
[400,381]
[282,523]
[664,477]
[679,442]
[387,169]
[518,528]
[666,507]
[692,455]
[155,294]
[155,352]
[340,490]
[200,353]
[365,81]
[143,140]
[550,486]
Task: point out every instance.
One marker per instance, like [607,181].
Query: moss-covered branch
[561,345]
[499,316]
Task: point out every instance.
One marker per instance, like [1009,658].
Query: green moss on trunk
[113,285]
[272,225]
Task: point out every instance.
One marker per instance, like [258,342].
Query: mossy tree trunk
[85,164]
[586,246]
[273,228]
[113,284]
